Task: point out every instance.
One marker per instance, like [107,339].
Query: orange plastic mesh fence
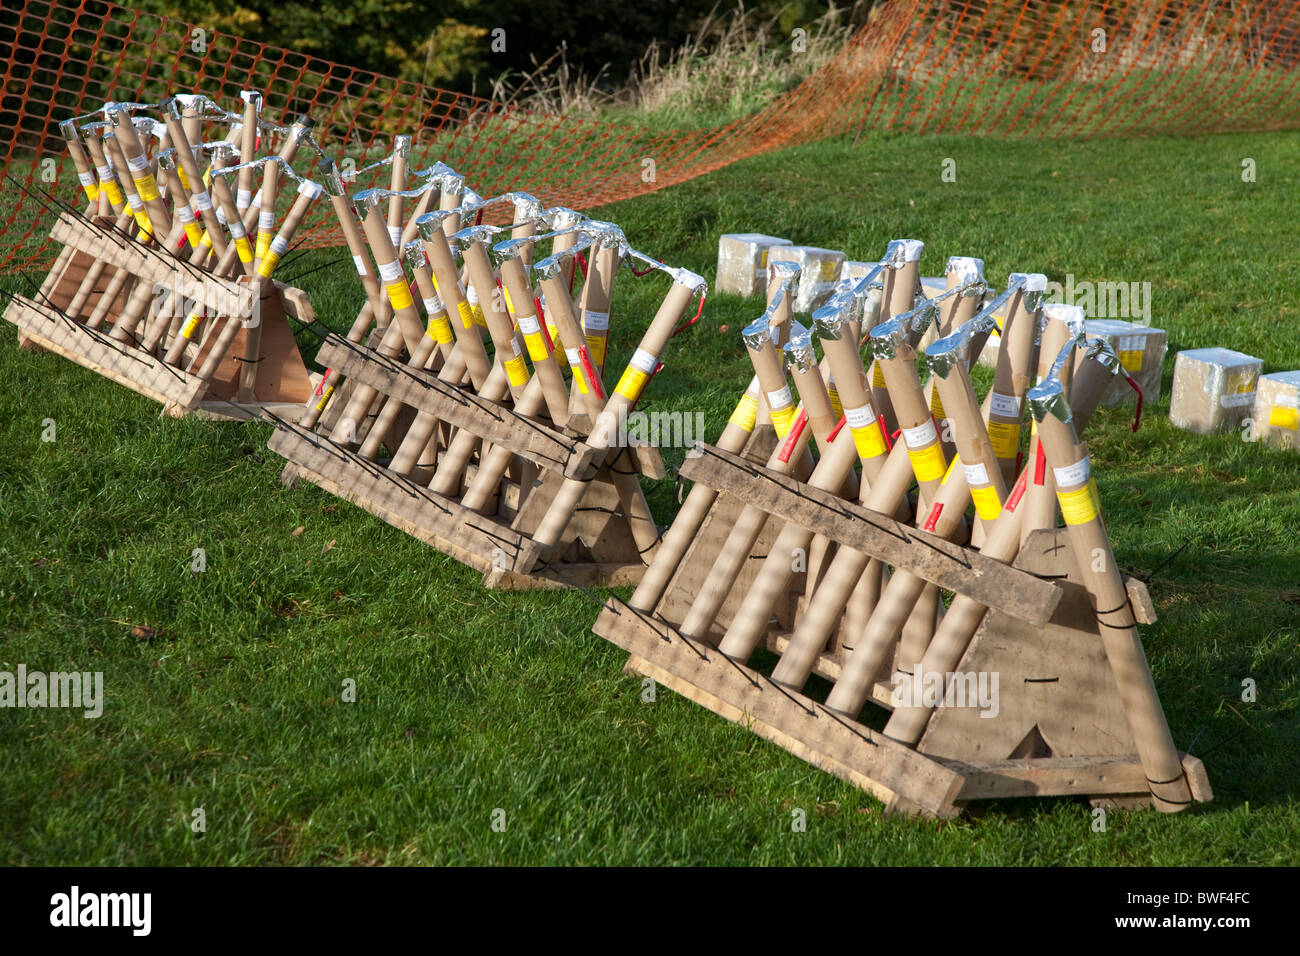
[1015,68]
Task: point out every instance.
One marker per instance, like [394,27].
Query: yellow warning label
[1131,359]
[936,405]
[194,234]
[536,347]
[147,187]
[927,463]
[399,293]
[516,371]
[466,314]
[1005,439]
[1283,416]
[745,414]
[185,180]
[836,406]
[191,325]
[269,261]
[244,248]
[877,377]
[868,440]
[439,330]
[115,196]
[325,397]
[263,243]
[631,383]
[596,349]
[986,501]
[1081,505]
[782,420]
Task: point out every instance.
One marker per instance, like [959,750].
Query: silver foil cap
[785,272]
[969,273]
[402,146]
[562,218]
[511,248]
[950,351]
[1071,315]
[370,199]
[528,208]
[69,130]
[480,234]
[800,347]
[1033,286]
[429,225]
[899,252]
[167,159]
[758,334]
[330,177]
[413,253]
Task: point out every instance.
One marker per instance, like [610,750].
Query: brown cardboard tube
[690,517]
[137,167]
[1039,505]
[964,614]
[624,396]
[200,196]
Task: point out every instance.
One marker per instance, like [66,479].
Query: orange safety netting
[1017,68]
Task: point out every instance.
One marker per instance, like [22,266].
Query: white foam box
[742,262]
[819,270]
[1277,409]
[1213,389]
[1141,350]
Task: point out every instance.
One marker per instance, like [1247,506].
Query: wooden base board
[480,541]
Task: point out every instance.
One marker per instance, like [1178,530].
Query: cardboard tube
[1076,491]
[625,394]
[156,221]
[247,149]
[964,615]
[902,279]
[201,199]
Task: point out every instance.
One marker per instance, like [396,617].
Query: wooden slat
[928,556]
[128,366]
[495,423]
[840,746]
[1064,776]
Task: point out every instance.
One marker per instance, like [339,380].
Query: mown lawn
[230,694]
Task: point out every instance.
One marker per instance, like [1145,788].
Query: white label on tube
[265,221]
[1072,475]
[396,233]
[390,271]
[646,362]
[528,324]
[595,321]
[976,474]
[859,417]
[244,198]
[780,399]
[360,264]
[138,164]
[433,306]
[1007,406]
[279,245]
[920,436]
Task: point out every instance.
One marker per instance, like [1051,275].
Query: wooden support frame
[281,384]
[597,547]
[1060,730]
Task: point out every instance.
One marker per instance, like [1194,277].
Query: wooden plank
[928,556]
[440,522]
[469,537]
[1050,776]
[826,740]
[495,423]
[128,366]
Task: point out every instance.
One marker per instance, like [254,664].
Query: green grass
[470,700]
